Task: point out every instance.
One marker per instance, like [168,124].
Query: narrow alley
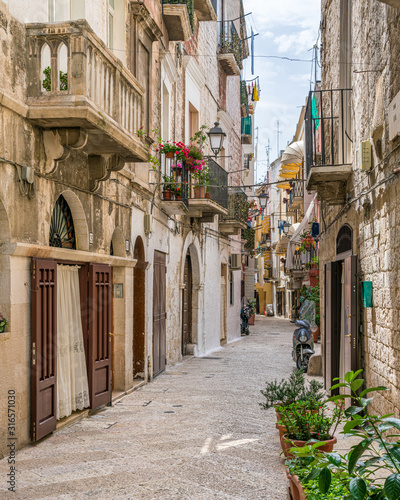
[196,431]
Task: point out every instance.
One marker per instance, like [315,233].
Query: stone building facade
[77,84]
[356,177]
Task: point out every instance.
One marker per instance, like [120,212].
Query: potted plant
[307,241]
[303,425]
[3,323]
[168,187]
[251,304]
[168,148]
[375,455]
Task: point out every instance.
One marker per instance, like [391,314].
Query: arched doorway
[139,309]
[187,298]
[192,291]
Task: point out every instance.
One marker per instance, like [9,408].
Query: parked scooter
[303,342]
[245,316]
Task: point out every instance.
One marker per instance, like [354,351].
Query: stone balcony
[77,87]
[230,49]
[204,10]
[178,19]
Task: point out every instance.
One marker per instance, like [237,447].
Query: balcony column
[77,66]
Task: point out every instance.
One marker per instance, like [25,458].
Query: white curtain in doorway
[72,381]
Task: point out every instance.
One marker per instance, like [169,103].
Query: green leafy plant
[251,304]
[291,390]
[376,452]
[301,467]
[47,80]
[305,420]
[3,322]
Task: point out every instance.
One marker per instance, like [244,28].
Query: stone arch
[192,247]
[344,240]
[45,68]
[118,243]
[79,218]
[62,67]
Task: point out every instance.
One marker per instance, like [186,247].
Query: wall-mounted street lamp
[285,227]
[263,198]
[216,136]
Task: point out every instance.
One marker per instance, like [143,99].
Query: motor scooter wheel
[303,364]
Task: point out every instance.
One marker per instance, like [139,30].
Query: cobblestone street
[196,431]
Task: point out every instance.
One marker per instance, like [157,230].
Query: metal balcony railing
[296,196]
[184,185]
[238,207]
[189,6]
[328,132]
[229,41]
[297,263]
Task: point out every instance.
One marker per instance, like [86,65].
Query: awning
[294,153]
[294,240]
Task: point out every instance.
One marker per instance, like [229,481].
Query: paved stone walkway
[195,432]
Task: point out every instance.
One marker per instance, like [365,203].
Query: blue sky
[287,28]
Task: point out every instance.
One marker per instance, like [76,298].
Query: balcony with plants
[237,217]
[77,86]
[195,185]
[179,18]
[328,143]
[230,48]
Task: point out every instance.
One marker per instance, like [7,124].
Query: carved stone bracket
[58,144]
[101,166]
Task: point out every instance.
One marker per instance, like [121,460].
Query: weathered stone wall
[374,208]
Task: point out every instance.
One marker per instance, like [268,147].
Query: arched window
[344,240]
[62,233]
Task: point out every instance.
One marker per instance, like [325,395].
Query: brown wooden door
[350,314]
[99,327]
[332,322]
[187,306]
[44,347]
[159,313]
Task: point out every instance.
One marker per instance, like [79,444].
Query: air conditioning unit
[236,261]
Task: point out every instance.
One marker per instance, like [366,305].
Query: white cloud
[295,43]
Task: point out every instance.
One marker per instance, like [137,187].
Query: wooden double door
[95,291]
[341,318]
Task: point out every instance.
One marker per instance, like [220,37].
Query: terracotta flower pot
[298,487]
[292,443]
[207,194]
[282,430]
[167,195]
[315,334]
[170,154]
[199,192]
[252,319]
